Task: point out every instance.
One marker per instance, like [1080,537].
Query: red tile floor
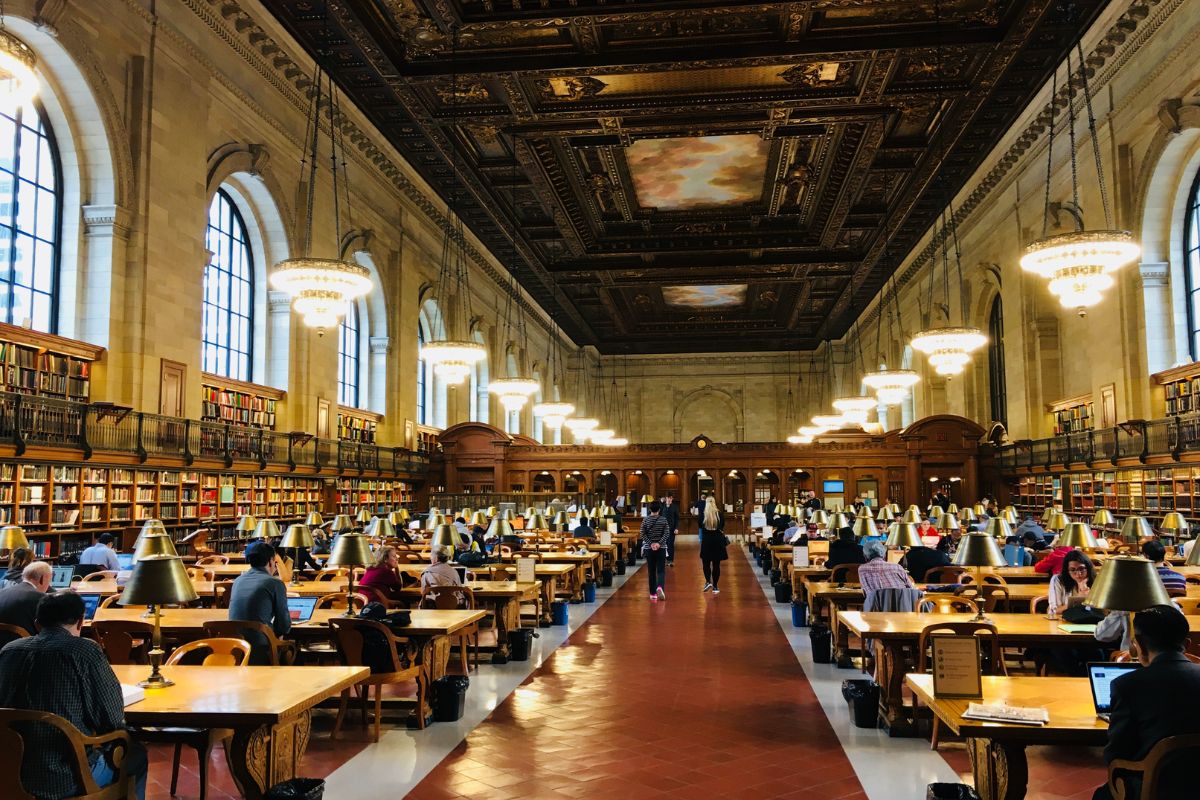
[698,696]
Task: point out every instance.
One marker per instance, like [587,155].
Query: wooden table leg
[549,589]
[261,757]
[1000,768]
[841,640]
[889,674]
[508,617]
[433,655]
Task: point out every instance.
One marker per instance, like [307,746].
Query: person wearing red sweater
[1051,563]
[384,576]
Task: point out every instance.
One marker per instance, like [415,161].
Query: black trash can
[822,643]
[606,576]
[450,697]
[863,697]
[950,791]
[766,565]
[776,576]
[631,559]
[783,592]
[520,642]
[297,789]
[619,567]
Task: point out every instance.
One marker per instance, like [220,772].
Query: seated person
[780,525]
[926,528]
[878,572]
[792,531]
[1028,526]
[384,576]
[259,596]
[1032,541]
[321,543]
[479,537]
[844,550]
[1158,701]
[584,531]
[19,604]
[1074,580]
[461,525]
[1051,563]
[440,572]
[1175,583]
[919,560]
[17,562]
[60,672]
[101,554]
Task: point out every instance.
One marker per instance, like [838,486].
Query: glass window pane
[228,293]
[47,215]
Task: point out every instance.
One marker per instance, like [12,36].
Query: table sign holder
[956,668]
[526,570]
[800,556]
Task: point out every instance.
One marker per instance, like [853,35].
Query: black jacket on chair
[1151,704]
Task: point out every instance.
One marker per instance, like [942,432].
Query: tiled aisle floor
[695,697]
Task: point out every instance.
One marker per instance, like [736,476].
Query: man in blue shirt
[259,596]
[101,554]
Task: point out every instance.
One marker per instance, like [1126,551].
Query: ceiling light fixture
[553,412]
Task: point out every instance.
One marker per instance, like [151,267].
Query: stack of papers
[1003,713]
[132,694]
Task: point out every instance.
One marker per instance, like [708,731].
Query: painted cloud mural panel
[698,172]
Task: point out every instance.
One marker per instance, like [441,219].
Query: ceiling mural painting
[685,176]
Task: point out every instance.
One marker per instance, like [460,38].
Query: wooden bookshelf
[376,496]
[1180,388]
[427,439]
[1035,492]
[357,425]
[238,402]
[46,365]
[1073,415]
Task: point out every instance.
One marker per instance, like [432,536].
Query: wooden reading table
[504,598]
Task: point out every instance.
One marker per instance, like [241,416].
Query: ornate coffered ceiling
[691,176]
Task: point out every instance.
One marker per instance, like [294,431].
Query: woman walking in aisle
[656,540]
[713,545]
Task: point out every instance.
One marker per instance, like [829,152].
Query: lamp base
[156,681]
[982,617]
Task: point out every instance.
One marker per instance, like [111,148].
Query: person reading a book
[60,672]
[1072,583]
[1153,703]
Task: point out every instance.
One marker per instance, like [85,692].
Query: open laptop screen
[125,560]
[1101,676]
[90,603]
[300,609]
[60,577]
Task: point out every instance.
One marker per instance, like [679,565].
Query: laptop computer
[1101,675]
[300,609]
[60,577]
[125,561]
[90,603]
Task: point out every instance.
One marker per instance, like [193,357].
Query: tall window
[349,342]
[1191,268]
[997,388]
[422,367]
[228,292]
[30,217]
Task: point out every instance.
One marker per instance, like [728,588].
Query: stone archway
[713,412]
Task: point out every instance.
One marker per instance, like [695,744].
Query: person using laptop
[1160,700]
[101,554]
[18,604]
[259,596]
[1174,582]
[300,609]
[61,577]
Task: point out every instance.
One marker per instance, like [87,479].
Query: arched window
[997,388]
[30,216]
[422,368]
[228,342]
[1191,267]
[349,347]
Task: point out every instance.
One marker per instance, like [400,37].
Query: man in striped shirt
[656,542]
[1175,583]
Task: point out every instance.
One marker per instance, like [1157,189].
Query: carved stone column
[377,393]
[1154,284]
[102,282]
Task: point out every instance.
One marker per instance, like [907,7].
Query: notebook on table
[300,609]
[1100,676]
[60,577]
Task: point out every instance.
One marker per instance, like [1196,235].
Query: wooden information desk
[997,749]
[268,708]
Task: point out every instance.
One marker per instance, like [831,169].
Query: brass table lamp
[363,517]
[1103,518]
[148,527]
[1134,529]
[838,521]
[1010,515]
[508,514]
[479,518]
[562,522]
[155,581]
[978,550]
[350,550]
[341,523]
[314,519]
[1047,513]
[947,522]
[647,498]
[501,528]
[968,515]
[536,522]
[886,514]
[820,518]
[865,512]
[1058,521]
[267,529]
[1128,583]
[399,516]
[864,526]
[1173,523]
[246,525]
[154,544]
[383,529]
[912,515]
[978,510]
[999,529]
[447,536]
[12,537]
[903,535]
[952,509]
[297,536]
[1077,534]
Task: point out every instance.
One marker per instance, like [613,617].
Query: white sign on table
[758,520]
[800,556]
[956,669]
[606,537]
[526,570]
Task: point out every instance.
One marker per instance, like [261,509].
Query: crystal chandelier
[949,349]
[854,409]
[581,427]
[829,422]
[514,393]
[1078,264]
[553,412]
[891,386]
[18,81]
[321,289]
[602,435]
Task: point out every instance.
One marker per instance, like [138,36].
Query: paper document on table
[1019,715]
[1080,628]
[132,694]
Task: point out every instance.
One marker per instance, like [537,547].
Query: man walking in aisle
[670,513]
[656,541]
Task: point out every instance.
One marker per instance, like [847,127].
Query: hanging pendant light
[854,409]
[949,349]
[1079,265]
[829,422]
[553,412]
[321,289]
[515,390]
[891,386]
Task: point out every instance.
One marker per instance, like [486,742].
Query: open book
[1003,713]
[132,694]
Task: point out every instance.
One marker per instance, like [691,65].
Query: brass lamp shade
[886,514]
[1193,559]
[12,537]
[647,498]
[952,509]
[978,510]
[820,518]
[1103,517]
[912,516]
[864,527]
[1047,513]
[948,522]
[297,536]
[968,515]
[434,520]
[895,507]
[151,546]
[479,518]
[529,512]
[1058,521]
[865,513]
[363,516]
[978,550]
[1077,534]
[839,521]
[1010,515]
[507,514]
[606,510]
[501,528]
[266,529]
[536,522]
[350,550]
[562,520]
[341,522]
[491,511]
[445,536]
[314,519]
[1134,529]
[1173,521]
[1128,583]
[246,524]
[583,514]
[158,580]
[383,529]
[904,534]
[998,528]
[152,526]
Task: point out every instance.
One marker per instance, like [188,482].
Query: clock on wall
[701,442]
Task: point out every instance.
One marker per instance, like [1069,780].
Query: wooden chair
[938,603]
[113,601]
[282,652]
[818,561]
[338,600]
[124,641]
[844,573]
[943,574]
[1040,604]
[1176,752]
[15,726]
[102,575]
[453,598]
[1189,605]
[213,560]
[351,635]
[222,591]
[200,574]
[988,595]
[10,633]
[993,666]
[331,574]
[502,573]
[221,653]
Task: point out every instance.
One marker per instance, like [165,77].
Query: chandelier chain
[1050,154]
[1071,133]
[1087,98]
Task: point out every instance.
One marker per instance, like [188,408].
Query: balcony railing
[1138,439]
[29,421]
